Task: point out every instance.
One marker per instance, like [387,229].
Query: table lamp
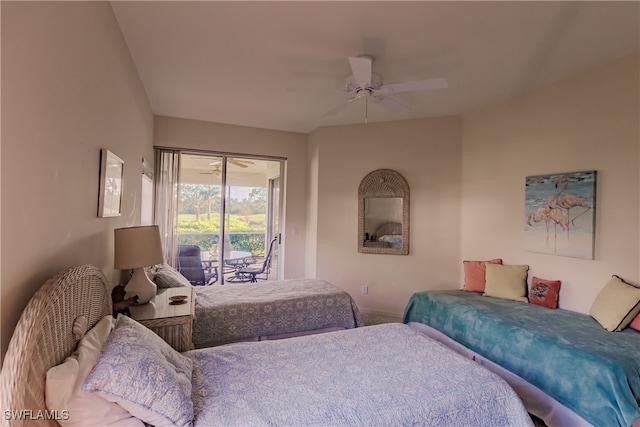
[137,248]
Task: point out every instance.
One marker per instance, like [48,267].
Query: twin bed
[378,375]
[270,310]
[566,367]
[266,310]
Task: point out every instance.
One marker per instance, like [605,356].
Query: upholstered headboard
[389,228]
[48,330]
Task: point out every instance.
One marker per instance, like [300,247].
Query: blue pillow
[143,374]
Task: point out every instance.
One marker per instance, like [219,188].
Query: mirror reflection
[383,213]
[383,222]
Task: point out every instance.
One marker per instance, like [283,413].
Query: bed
[390,235]
[270,310]
[265,310]
[567,368]
[379,375]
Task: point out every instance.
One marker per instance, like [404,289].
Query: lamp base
[141,286]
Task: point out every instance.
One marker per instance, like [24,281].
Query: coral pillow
[544,292]
[474,274]
[635,323]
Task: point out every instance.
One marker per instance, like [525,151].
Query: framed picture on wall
[111,179]
[560,211]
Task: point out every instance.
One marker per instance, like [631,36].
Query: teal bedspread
[568,355]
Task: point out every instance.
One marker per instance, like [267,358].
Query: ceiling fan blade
[390,104]
[242,162]
[429,84]
[340,107]
[361,68]
[238,163]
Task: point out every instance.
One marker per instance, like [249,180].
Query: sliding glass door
[229,207]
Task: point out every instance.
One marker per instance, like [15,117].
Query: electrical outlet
[365,289]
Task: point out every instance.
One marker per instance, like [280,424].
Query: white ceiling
[277,65]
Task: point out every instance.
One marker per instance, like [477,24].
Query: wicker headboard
[44,337]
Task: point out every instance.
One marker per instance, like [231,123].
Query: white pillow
[143,374]
[506,281]
[63,387]
[616,304]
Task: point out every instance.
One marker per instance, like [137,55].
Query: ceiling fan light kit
[364,83]
[354,87]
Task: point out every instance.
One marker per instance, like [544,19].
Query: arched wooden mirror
[383,213]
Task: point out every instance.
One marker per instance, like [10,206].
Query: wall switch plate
[365,289]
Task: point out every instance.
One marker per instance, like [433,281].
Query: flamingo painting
[549,215]
[565,202]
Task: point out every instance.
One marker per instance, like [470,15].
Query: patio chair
[191,267]
[249,273]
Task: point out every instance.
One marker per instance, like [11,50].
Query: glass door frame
[274,191]
[269,232]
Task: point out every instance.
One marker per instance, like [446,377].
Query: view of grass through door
[233,194]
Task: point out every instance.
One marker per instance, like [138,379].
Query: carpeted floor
[373,318]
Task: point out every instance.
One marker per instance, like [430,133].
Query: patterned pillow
[166,276]
[544,292]
[143,374]
[63,385]
[474,274]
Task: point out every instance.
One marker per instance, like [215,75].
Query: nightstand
[172,322]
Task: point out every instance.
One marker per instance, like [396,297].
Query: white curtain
[167,163]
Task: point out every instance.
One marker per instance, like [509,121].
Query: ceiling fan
[217,164]
[367,85]
[243,163]
[215,171]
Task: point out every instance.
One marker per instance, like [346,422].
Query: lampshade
[137,247]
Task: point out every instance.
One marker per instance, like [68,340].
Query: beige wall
[590,121]
[311,252]
[69,88]
[198,135]
[427,153]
